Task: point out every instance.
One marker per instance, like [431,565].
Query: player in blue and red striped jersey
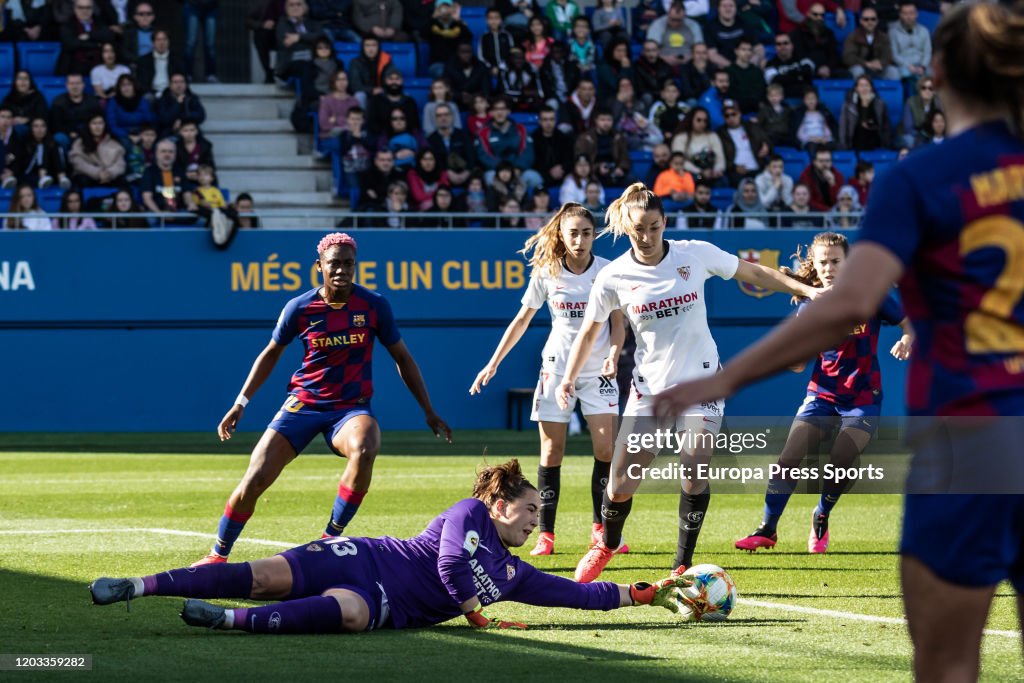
[845,390]
[457,566]
[948,224]
[329,394]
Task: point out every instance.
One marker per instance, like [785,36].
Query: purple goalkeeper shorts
[344,563]
[299,424]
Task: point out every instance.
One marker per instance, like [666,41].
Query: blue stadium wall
[156,331]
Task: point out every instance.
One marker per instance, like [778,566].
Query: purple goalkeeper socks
[205,581]
[317,614]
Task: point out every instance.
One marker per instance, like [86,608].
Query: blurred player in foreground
[659,286]
[949,221]
[329,394]
[564,270]
[457,566]
[845,391]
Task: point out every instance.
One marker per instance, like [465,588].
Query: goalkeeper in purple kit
[459,565]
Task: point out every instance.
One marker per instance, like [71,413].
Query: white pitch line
[853,616]
[136,530]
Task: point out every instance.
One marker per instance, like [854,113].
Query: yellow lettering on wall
[446,275]
[422,274]
[367,274]
[490,274]
[467,277]
[290,273]
[315,279]
[514,274]
[245,277]
[271,273]
[402,282]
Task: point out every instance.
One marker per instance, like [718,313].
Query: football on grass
[711,597]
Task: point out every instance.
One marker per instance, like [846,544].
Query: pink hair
[335,239]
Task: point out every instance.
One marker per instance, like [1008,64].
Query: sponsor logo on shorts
[314,548]
[712,407]
[359,320]
[510,572]
[607,387]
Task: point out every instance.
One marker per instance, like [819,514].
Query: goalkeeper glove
[659,594]
[477,619]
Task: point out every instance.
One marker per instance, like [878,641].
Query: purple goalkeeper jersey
[338,339]
[460,555]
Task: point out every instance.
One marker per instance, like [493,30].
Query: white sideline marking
[853,616]
[136,530]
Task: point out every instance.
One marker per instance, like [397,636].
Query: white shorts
[706,416]
[596,395]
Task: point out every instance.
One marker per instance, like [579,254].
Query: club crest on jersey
[510,572]
[764,257]
[684,272]
[314,548]
[359,320]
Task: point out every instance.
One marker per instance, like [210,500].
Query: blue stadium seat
[476,19]
[51,86]
[845,162]
[403,56]
[610,195]
[7,61]
[226,193]
[841,33]
[5,198]
[553,193]
[90,193]
[721,197]
[883,159]
[891,93]
[927,19]
[641,161]
[832,93]
[49,199]
[39,59]
[794,161]
[419,90]
[6,83]
[525,118]
[346,52]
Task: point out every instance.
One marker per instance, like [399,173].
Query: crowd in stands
[727,108]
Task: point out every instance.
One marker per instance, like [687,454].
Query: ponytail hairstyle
[981,48]
[501,482]
[619,216]
[547,245]
[805,271]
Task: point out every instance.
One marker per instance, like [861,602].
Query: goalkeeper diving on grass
[459,565]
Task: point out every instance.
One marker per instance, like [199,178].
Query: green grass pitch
[69,505]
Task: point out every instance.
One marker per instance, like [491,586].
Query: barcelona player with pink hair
[329,394]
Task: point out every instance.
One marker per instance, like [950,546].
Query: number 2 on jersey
[991,328]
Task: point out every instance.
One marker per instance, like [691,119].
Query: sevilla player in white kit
[659,286]
[564,270]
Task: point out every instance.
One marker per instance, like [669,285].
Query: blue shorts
[826,415]
[968,540]
[342,562]
[299,424]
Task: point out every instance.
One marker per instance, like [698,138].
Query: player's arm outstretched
[409,371]
[513,333]
[258,374]
[774,280]
[902,348]
[590,330]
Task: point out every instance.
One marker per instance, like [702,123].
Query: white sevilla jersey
[567,296]
[665,306]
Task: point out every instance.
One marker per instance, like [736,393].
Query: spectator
[81,39]
[675,35]
[445,34]
[581,105]
[574,187]
[695,76]
[519,83]
[25,210]
[163,187]
[822,180]
[540,205]
[416,16]
[582,50]
[505,140]
[201,14]
[42,162]
[71,203]
[141,152]
[668,112]
[374,183]
[262,20]
[744,144]
[124,203]
[701,147]
[396,203]
[793,12]
[630,117]
[153,71]
[760,18]
[25,101]
[609,23]
[296,36]
[176,105]
[495,45]
[815,125]
[394,96]
[794,74]
[25,21]
[776,118]
[381,19]
[192,150]
[615,65]
[335,17]
[137,39]
[675,185]
[128,110]
[868,51]
[452,146]
[480,116]
[244,209]
[400,139]
[505,184]
[538,42]
[518,14]
[864,122]
[774,187]
[71,110]
[11,148]
[468,76]
[595,198]
[607,150]
[864,175]
[744,203]
[442,207]
[700,214]
[558,76]
[512,222]
[560,15]
[916,109]
[651,71]
[798,212]
[424,179]
[552,149]
[845,215]
[367,70]
[714,96]
[725,33]
[746,81]
[643,14]
[476,197]
[911,46]
[207,196]
[325,66]
[96,158]
[816,41]
[353,146]
[660,158]
[334,108]
[934,129]
[105,74]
